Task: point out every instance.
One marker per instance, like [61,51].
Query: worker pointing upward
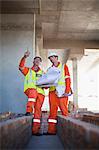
[34,93]
[54,100]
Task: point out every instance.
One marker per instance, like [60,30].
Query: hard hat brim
[52,55]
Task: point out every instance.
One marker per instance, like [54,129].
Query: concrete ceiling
[69,24]
[19,6]
[60,19]
[70,19]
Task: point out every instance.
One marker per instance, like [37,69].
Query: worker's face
[53,59]
[37,61]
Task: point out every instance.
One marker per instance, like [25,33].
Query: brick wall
[76,134]
[91,118]
[15,133]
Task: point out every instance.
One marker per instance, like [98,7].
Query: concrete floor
[44,142]
[48,142]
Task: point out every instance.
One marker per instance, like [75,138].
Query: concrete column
[40,51]
[34,34]
[75,83]
[39,44]
[67,53]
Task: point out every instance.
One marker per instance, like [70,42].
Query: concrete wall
[14,44]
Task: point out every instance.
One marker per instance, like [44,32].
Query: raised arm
[22,66]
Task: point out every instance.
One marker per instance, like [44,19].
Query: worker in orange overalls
[34,93]
[54,100]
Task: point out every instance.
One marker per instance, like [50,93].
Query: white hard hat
[52,54]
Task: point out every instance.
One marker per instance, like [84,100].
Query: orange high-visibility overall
[56,102]
[30,92]
[35,99]
[37,114]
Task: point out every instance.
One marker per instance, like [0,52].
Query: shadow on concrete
[49,142]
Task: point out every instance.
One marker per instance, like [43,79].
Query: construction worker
[54,100]
[35,94]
